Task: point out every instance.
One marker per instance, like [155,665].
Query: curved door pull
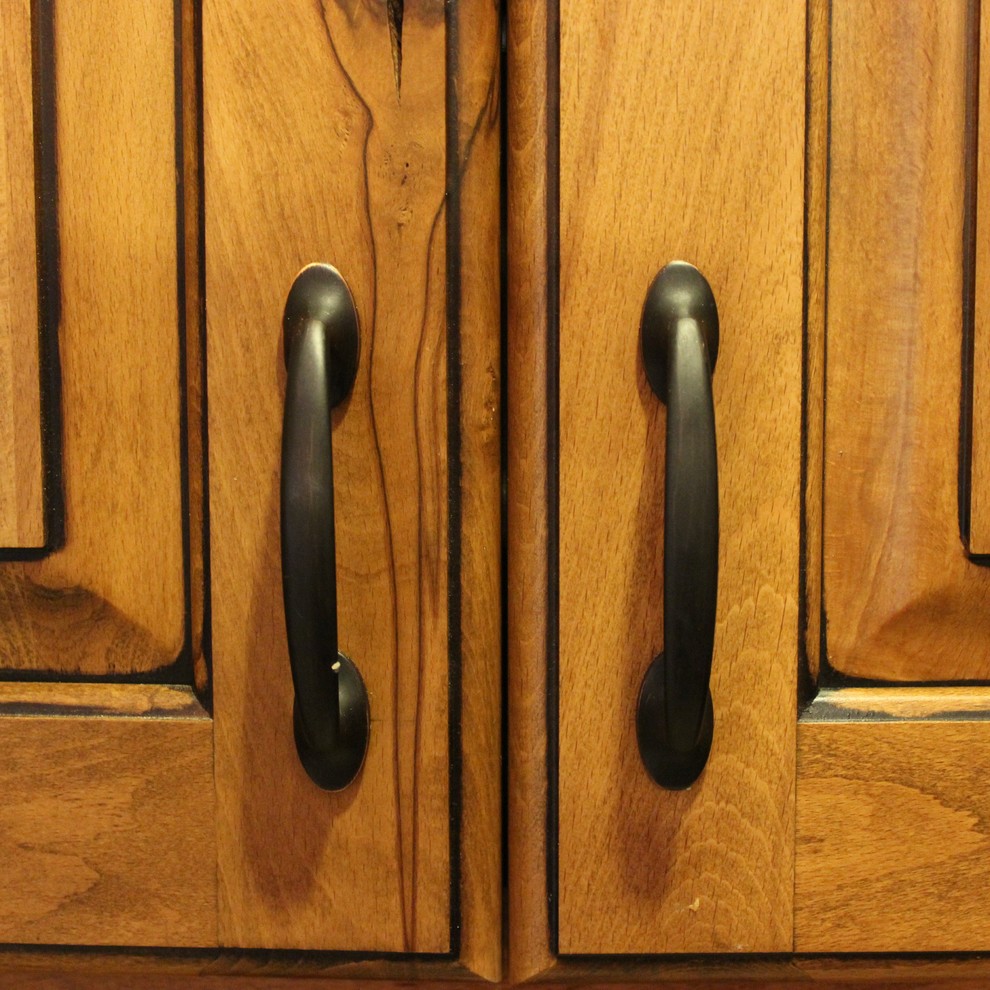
[330,715]
[674,718]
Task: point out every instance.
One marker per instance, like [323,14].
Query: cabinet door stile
[531,273]
[709,169]
[21,495]
[671,146]
[347,135]
[304,163]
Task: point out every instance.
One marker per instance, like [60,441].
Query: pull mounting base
[669,768]
[334,768]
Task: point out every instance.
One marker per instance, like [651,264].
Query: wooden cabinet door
[840,811]
[190,160]
[364,136]
[107,826]
[640,134]
[892,833]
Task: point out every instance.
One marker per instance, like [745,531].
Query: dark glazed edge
[968,285]
[970,149]
[49,274]
[206,633]
[453,306]
[553,462]
[181,670]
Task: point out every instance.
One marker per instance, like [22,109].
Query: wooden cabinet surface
[326,141]
[192,158]
[848,665]
[885,787]
[169,170]
[108,824]
[710,173]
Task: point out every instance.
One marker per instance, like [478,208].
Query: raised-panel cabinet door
[107,826]
[893,743]
[642,134]
[903,599]
[154,792]
[874,839]
[363,137]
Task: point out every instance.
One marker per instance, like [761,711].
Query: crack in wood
[395,11]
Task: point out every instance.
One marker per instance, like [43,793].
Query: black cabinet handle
[675,719]
[330,716]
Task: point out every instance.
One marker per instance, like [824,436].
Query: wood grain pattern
[979,508]
[367,869]
[692,151]
[479,290]
[894,971]
[52,978]
[235,971]
[107,829]
[111,601]
[528,936]
[22,521]
[902,599]
[107,832]
[226,967]
[897,704]
[893,835]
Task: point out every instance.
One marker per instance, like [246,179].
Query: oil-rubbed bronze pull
[675,719]
[330,715]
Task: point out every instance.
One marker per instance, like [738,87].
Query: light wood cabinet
[325,140]
[201,155]
[107,833]
[695,153]
[818,163]
[171,167]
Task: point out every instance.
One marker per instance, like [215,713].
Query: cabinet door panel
[108,596]
[328,141]
[902,600]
